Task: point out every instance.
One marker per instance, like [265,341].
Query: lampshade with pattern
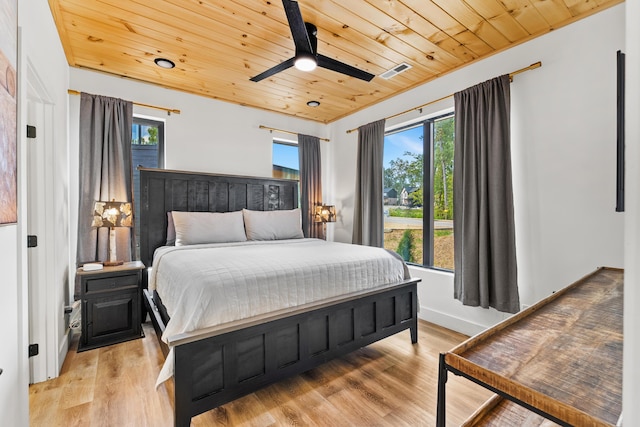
[112,214]
[325,213]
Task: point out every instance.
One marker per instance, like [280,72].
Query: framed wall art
[8,111]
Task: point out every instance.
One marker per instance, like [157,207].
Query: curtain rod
[287,131]
[168,110]
[521,70]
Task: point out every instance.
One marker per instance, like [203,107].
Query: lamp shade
[325,213]
[112,214]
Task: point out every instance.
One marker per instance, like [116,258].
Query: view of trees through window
[418,192]
[143,134]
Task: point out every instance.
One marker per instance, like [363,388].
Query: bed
[214,364]
[558,360]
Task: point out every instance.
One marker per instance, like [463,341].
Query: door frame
[43,321]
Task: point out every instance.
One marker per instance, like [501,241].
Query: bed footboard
[213,371]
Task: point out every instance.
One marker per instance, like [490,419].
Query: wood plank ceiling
[218,45]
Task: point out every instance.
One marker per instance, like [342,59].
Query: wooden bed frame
[560,359]
[216,365]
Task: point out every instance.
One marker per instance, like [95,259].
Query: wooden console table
[560,359]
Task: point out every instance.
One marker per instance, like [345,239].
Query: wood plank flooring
[389,383]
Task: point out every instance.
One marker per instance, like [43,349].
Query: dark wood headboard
[163,190]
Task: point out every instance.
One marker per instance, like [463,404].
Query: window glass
[418,192]
[285,160]
[147,149]
[144,134]
[402,197]
[443,193]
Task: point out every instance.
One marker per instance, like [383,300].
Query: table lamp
[325,214]
[112,214]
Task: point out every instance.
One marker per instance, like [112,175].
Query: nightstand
[111,305]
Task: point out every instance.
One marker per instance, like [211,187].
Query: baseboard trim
[63,349]
[448,321]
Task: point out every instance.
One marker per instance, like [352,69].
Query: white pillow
[171,230]
[208,227]
[273,225]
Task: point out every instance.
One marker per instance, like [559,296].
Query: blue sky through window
[285,155]
[397,143]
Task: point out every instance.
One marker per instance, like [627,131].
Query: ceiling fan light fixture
[307,58]
[164,63]
[305,62]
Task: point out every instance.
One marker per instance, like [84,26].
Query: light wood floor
[389,383]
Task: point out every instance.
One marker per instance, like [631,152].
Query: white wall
[631,379]
[14,378]
[563,157]
[12,389]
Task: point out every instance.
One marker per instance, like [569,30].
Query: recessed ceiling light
[164,63]
[313,103]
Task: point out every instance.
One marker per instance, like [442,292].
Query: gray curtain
[104,172]
[484,245]
[310,183]
[368,220]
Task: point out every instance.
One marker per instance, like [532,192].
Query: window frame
[428,229]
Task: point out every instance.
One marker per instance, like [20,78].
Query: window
[418,224]
[147,149]
[285,160]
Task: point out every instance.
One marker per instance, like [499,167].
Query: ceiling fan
[307,56]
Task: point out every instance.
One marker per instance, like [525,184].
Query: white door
[42,319]
[35,162]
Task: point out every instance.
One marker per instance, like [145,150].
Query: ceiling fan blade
[273,70]
[341,67]
[298,28]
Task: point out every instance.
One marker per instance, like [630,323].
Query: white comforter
[207,285]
